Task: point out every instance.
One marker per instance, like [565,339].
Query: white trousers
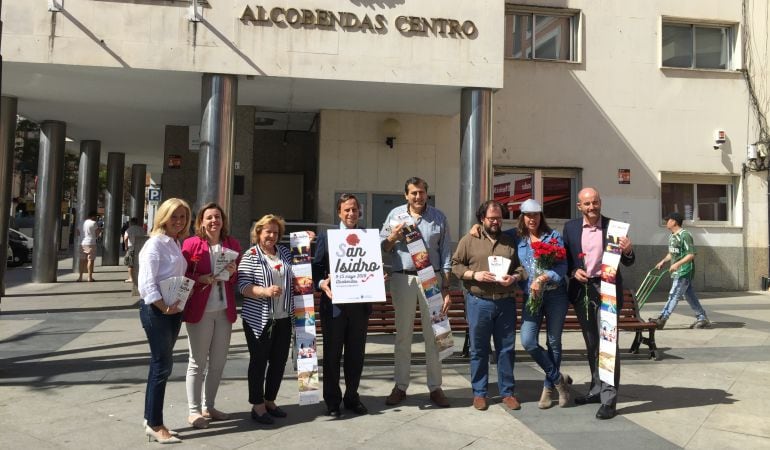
[406,292]
[209,342]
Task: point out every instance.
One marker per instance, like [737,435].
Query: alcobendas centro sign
[331,20]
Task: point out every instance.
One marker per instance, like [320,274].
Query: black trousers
[590,325]
[346,332]
[269,352]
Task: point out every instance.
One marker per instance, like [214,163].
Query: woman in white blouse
[161,258]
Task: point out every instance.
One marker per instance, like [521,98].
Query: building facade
[646,101]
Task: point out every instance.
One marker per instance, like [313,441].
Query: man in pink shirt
[585,239]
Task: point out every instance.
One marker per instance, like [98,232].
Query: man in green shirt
[681,253]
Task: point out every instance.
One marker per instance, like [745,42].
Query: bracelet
[473,276]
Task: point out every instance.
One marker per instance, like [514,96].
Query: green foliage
[26,156]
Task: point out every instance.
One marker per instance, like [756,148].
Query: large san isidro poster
[355,263]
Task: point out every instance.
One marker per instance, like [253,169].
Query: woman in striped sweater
[264,279]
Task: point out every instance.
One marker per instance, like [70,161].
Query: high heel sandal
[198,421]
[152,434]
[171,432]
[215,414]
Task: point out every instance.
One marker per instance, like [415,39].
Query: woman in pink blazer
[210,311]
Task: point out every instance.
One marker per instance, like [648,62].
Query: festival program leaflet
[308,382]
[429,282]
[304,320]
[176,289]
[403,217]
[499,266]
[608,312]
[355,263]
[221,260]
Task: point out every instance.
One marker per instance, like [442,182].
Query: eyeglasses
[494,219]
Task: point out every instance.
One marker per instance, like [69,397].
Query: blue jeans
[162,331]
[495,319]
[554,308]
[682,287]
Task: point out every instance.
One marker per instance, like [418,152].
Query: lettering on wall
[335,20]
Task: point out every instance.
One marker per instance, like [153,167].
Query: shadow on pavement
[658,398]
[58,293]
[721,324]
[71,310]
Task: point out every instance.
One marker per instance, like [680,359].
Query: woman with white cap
[550,283]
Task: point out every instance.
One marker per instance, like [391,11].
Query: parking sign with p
[153,195]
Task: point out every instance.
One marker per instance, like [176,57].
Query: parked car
[22,245]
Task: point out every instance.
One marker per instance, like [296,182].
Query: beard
[492,231]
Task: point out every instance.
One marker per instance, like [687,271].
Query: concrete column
[475,152]
[138,244]
[113,208]
[88,191]
[50,174]
[8,107]
[138,180]
[219,95]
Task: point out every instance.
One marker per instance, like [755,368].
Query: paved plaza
[74,358]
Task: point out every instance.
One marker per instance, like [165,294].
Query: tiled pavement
[73,363]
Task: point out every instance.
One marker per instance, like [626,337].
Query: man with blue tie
[585,239]
[344,325]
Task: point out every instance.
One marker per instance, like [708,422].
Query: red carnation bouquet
[546,253]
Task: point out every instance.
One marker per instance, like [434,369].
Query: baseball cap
[676,217]
[531,206]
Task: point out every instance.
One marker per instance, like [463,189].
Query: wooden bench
[383,317]
[383,320]
[629,319]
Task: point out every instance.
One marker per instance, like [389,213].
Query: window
[536,35]
[700,199]
[555,189]
[697,46]
[374,206]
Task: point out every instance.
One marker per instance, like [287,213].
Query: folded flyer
[499,266]
[221,260]
[176,289]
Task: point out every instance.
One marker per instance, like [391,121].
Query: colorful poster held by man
[304,320]
[355,263]
[430,285]
[608,329]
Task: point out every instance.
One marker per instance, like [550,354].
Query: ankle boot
[562,387]
[545,398]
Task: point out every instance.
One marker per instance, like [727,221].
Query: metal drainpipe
[766,280]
